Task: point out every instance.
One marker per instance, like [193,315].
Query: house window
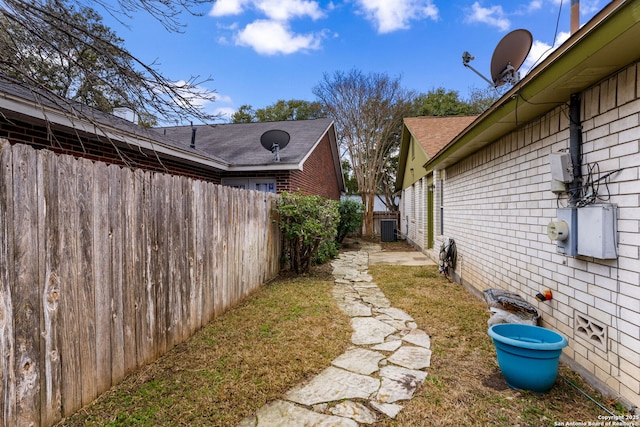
[268,185]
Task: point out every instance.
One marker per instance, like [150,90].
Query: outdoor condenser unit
[388,231]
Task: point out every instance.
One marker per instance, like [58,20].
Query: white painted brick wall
[497,204]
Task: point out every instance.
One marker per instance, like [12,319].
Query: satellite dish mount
[507,58]
[275,140]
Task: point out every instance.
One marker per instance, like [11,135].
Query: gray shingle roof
[239,143]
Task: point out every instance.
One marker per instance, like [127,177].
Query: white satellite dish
[507,58]
[275,140]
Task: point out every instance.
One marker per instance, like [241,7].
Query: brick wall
[497,204]
[318,175]
[93,148]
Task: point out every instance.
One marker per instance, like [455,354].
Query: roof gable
[434,133]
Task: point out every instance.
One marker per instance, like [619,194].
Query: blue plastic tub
[528,355]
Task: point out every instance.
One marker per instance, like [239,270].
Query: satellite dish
[508,57]
[275,140]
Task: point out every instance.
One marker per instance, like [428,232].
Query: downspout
[575,149]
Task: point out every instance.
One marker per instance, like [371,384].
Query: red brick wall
[318,175]
[94,148]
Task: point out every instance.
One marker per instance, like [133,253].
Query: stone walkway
[384,367]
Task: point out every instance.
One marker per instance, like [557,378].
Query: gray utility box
[388,231]
[569,245]
[597,231]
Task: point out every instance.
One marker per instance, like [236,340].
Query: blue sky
[260,51]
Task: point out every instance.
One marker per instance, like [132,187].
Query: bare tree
[62,47]
[368,112]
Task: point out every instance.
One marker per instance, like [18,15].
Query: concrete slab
[414,258]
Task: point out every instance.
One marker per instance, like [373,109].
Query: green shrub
[350,218]
[307,223]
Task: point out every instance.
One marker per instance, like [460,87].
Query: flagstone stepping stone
[395,313]
[418,337]
[374,296]
[285,414]
[367,330]
[355,411]
[411,357]
[399,383]
[333,384]
[389,409]
[388,346]
[359,360]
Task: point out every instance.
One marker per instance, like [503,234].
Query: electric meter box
[597,231]
[568,245]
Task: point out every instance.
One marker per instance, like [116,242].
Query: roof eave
[598,49]
[78,123]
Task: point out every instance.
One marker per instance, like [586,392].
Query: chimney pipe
[575,16]
[193,136]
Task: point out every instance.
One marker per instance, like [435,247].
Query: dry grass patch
[464,384]
[286,332]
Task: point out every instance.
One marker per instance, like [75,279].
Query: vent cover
[591,331]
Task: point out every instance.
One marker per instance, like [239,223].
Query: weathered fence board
[51,403]
[7,353]
[115,247]
[25,291]
[103,269]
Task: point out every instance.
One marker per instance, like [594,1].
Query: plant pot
[528,355]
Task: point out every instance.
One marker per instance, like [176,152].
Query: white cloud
[281,10]
[493,16]
[273,37]
[393,15]
[227,7]
[587,7]
[284,10]
[540,50]
[534,5]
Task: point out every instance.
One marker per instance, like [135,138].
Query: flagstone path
[383,368]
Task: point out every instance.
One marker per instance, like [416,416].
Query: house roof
[239,144]
[227,147]
[602,46]
[432,133]
[33,104]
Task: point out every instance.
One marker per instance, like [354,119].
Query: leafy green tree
[350,218]
[293,109]
[245,114]
[350,181]
[443,102]
[63,47]
[308,225]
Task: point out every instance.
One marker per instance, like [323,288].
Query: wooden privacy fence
[103,269]
[382,215]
